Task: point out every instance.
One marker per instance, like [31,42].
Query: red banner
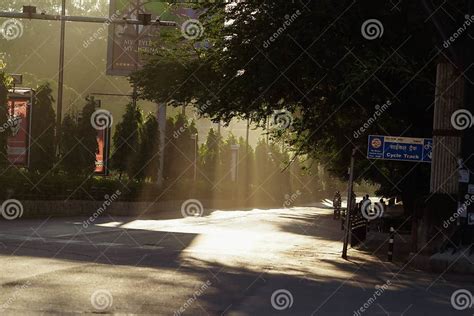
[18,142]
[102,155]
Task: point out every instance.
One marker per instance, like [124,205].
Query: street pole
[247,163]
[349,205]
[161,114]
[195,137]
[59,104]
[267,126]
[195,156]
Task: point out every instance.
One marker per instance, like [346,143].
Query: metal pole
[349,205]
[161,114]
[247,163]
[59,104]
[267,124]
[195,156]
[87,19]
[247,136]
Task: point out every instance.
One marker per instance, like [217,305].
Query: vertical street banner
[103,152]
[130,45]
[19,121]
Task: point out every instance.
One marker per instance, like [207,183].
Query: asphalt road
[242,262]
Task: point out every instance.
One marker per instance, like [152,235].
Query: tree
[210,155]
[147,160]
[43,155]
[332,78]
[87,137]
[79,141]
[127,141]
[179,148]
[70,158]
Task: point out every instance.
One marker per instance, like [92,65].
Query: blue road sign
[400,148]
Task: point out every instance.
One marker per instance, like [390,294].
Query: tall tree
[87,136]
[147,159]
[127,140]
[42,156]
[70,158]
[333,79]
[79,141]
[210,155]
[179,148]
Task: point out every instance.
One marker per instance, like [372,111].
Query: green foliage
[79,141]
[70,159]
[42,130]
[87,137]
[179,148]
[210,160]
[127,141]
[321,69]
[148,158]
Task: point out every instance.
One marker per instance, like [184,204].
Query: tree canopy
[313,60]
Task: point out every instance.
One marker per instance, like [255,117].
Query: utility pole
[59,102]
[347,230]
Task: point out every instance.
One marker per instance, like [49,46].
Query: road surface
[242,262]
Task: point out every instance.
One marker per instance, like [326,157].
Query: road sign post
[349,205]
